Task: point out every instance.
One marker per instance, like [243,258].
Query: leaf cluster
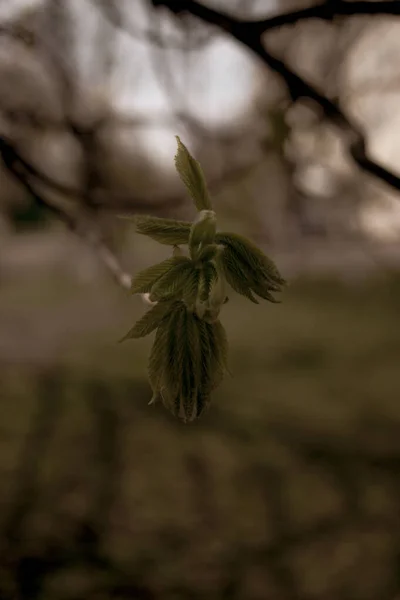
[189,355]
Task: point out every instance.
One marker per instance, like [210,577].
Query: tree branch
[21,170]
[249,33]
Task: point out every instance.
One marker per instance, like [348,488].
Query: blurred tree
[72,137]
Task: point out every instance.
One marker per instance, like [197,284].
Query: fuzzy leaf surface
[236,275]
[192,176]
[149,321]
[164,231]
[174,281]
[144,280]
[252,256]
[202,232]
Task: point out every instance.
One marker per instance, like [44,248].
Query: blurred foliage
[287,488]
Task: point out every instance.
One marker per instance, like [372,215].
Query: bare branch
[249,33]
[20,170]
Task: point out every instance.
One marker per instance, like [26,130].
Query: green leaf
[176,373]
[144,280]
[208,276]
[194,363]
[209,253]
[202,232]
[164,231]
[218,291]
[192,176]
[247,269]
[235,275]
[187,361]
[263,289]
[173,282]
[161,355]
[157,358]
[150,321]
[252,256]
[190,290]
[191,361]
[215,352]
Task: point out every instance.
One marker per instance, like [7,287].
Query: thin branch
[17,169]
[249,33]
[325,11]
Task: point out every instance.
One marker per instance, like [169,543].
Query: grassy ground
[287,488]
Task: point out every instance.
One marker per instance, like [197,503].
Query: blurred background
[289,487]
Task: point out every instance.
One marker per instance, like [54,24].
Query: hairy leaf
[191,360]
[150,321]
[209,252]
[178,373]
[191,288]
[198,368]
[252,256]
[202,232]
[157,358]
[162,352]
[218,290]
[263,289]
[164,231]
[208,276]
[192,176]
[144,280]
[215,352]
[173,282]
[235,275]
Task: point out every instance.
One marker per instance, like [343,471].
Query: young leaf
[208,276]
[161,355]
[215,352]
[144,280]
[174,347]
[252,256]
[192,176]
[247,269]
[164,231]
[202,232]
[209,253]
[232,269]
[150,321]
[218,291]
[263,289]
[157,358]
[173,282]
[188,400]
[191,361]
[190,290]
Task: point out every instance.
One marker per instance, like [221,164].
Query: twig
[250,34]
[21,170]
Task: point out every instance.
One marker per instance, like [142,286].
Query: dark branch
[21,171]
[325,11]
[250,33]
